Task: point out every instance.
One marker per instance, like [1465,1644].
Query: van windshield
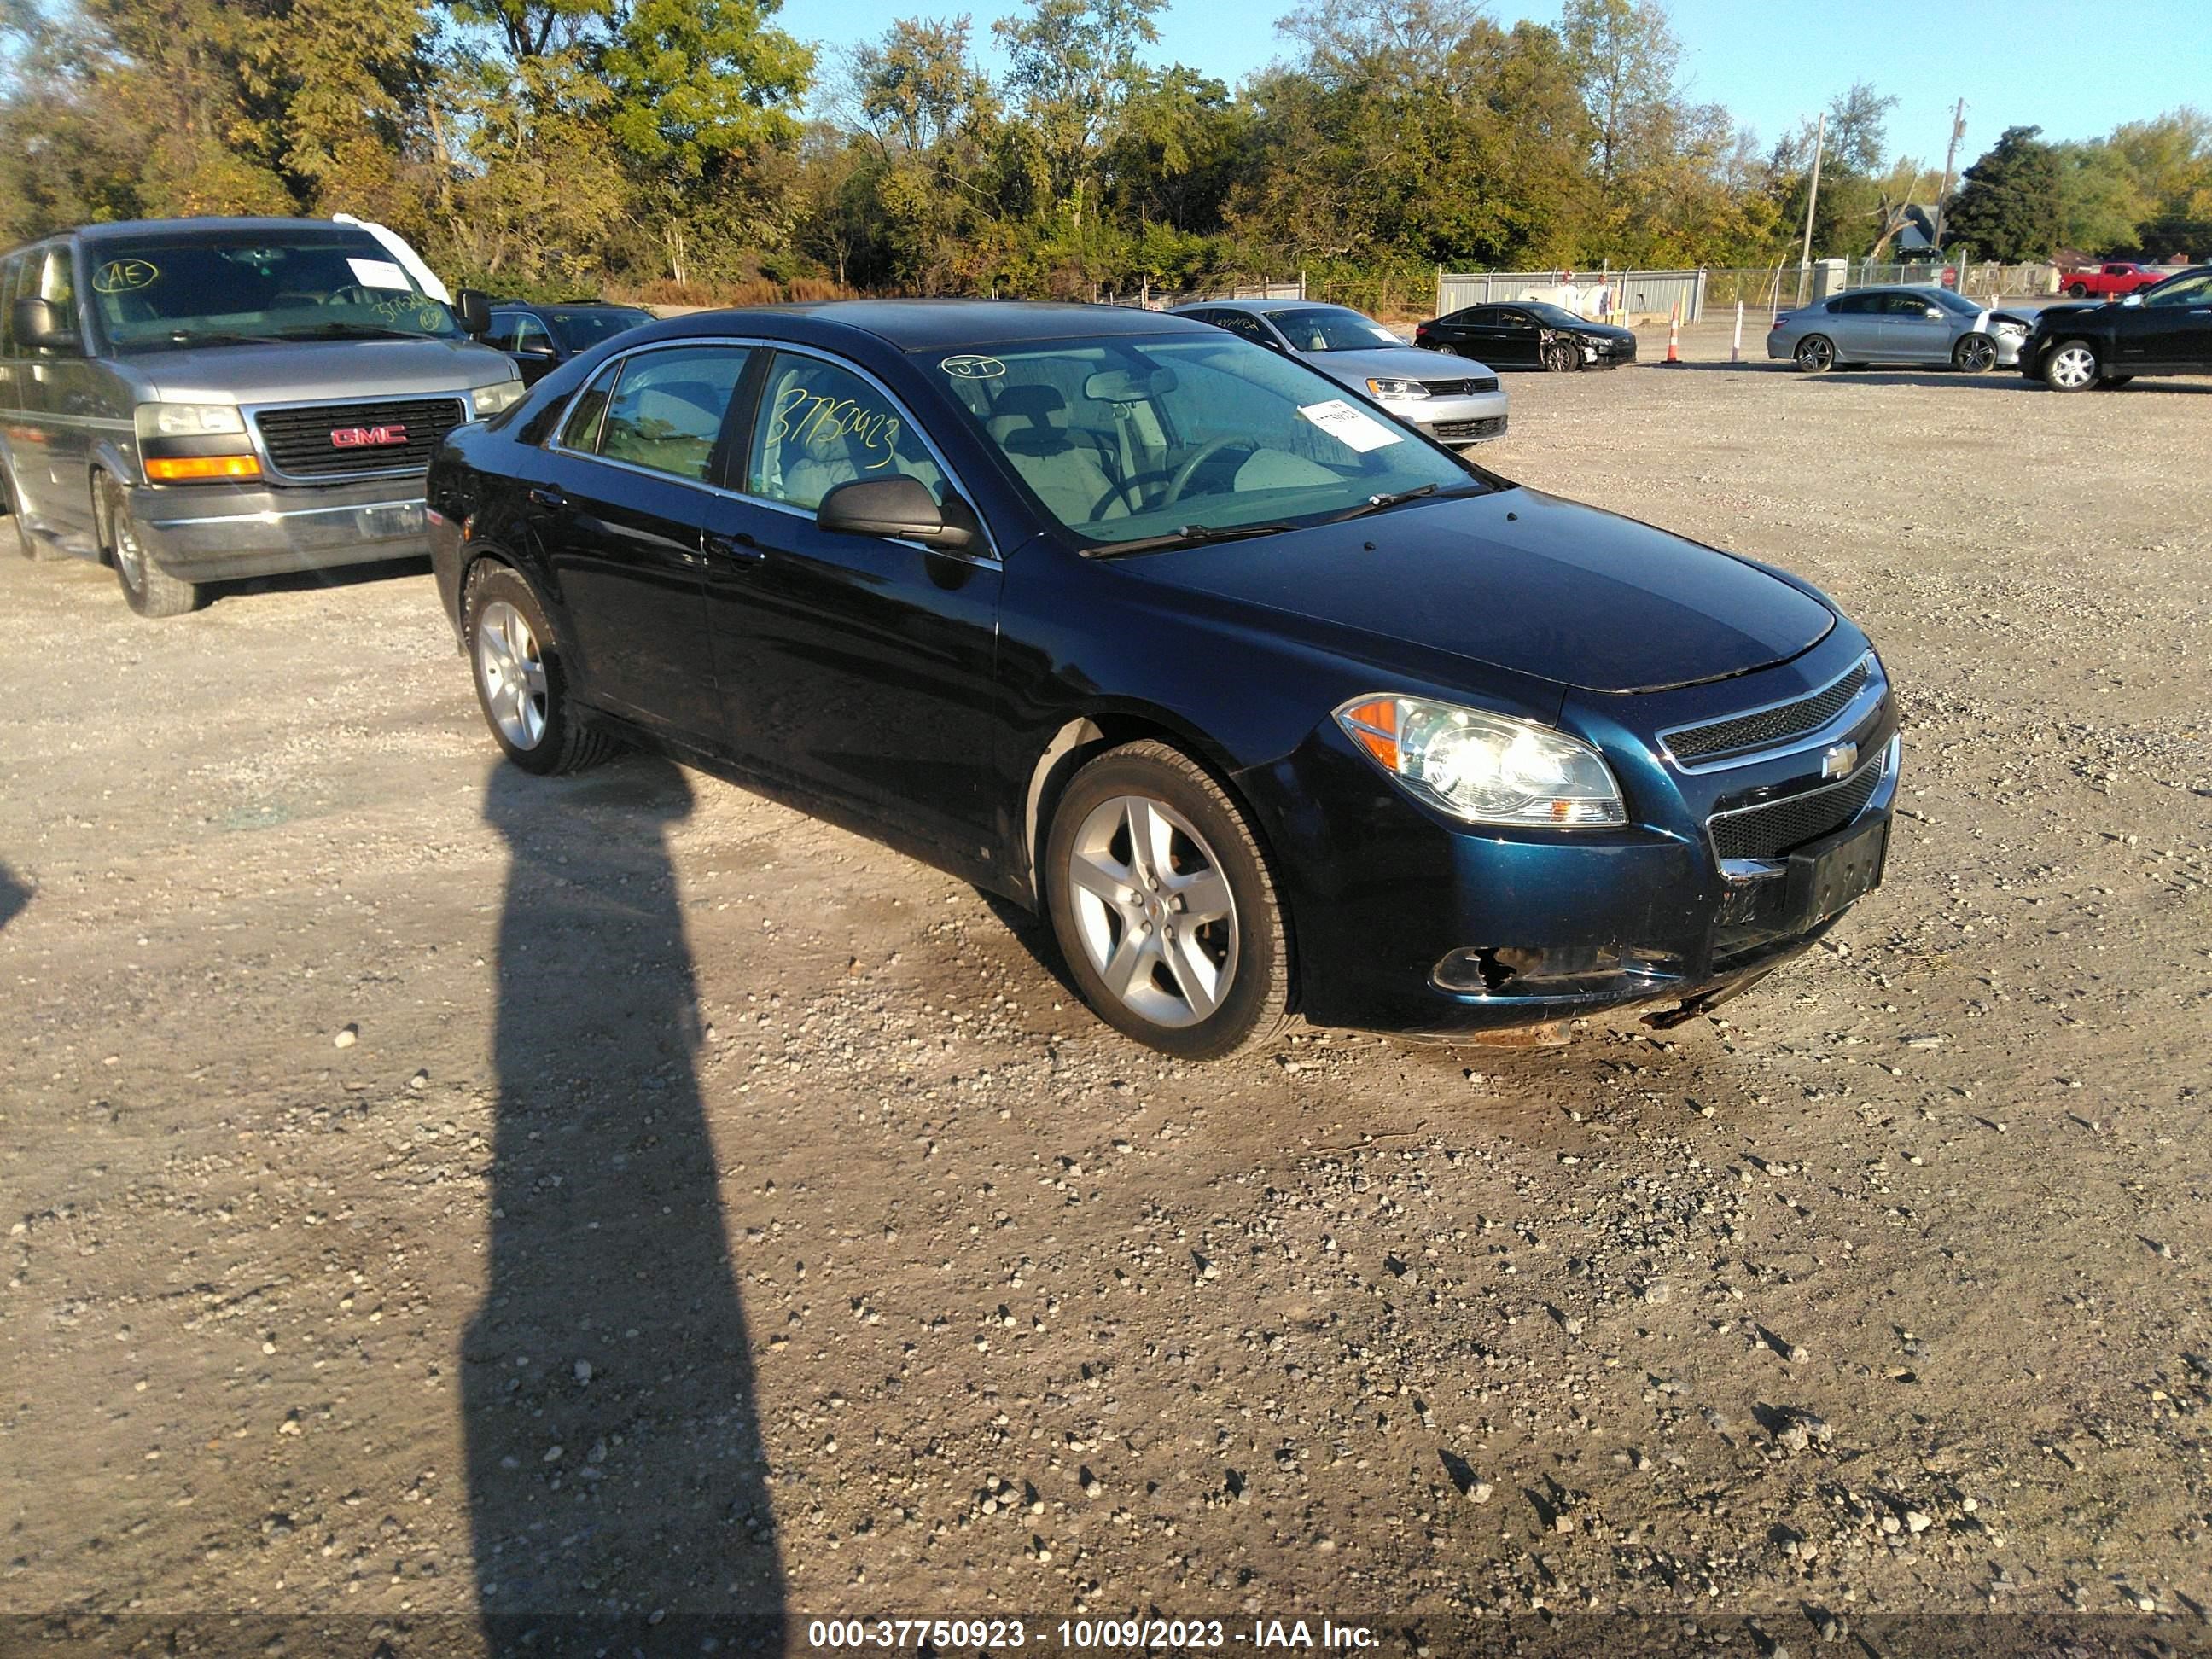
[249,287]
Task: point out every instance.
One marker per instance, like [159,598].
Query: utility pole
[1812,196]
[1950,155]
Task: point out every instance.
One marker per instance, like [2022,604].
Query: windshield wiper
[353,331]
[1378,503]
[182,341]
[1191,535]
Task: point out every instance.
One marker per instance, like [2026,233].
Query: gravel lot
[432,1190]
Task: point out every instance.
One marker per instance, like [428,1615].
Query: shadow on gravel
[617,1490]
[305,582]
[13,896]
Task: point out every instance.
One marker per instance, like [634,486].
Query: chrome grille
[1780,827]
[1765,728]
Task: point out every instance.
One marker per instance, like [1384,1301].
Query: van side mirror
[40,323]
[898,508]
[472,310]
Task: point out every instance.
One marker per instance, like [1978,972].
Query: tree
[2008,208]
[2102,203]
[1070,64]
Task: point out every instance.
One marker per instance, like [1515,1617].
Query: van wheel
[1163,906]
[30,546]
[522,685]
[147,588]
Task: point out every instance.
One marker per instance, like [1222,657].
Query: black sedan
[2165,329]
[1270,704]
[1529,334]
[541,338]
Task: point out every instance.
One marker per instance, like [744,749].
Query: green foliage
[2009,207]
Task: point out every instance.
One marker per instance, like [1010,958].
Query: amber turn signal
[192,469]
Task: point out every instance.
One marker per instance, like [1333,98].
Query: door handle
[546,497]
[740,546]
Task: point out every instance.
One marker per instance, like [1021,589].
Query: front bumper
[215,533]
[2009,347]
[1459,421]
[1406,920]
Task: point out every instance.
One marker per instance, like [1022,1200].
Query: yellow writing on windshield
[806,416]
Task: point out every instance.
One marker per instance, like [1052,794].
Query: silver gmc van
[191,400]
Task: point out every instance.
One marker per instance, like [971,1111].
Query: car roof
[914,325]
[1261,307]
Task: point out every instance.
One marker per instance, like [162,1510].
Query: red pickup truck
[2110,281]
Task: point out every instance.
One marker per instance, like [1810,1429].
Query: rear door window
[667,408]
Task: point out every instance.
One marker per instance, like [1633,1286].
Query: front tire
[522,685]
[1164,908]
[147,589]
[1977,353]
[1816,354]
[2072,365]
[1560,358]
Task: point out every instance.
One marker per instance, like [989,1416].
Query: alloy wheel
[1153,910]
[120,536]
[1815,356]
[2072,367]
[511,669]
[1978,353]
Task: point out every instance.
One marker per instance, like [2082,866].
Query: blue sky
[2074,67]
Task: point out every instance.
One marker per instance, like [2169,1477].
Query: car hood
[299,370]
[1354,368]
[1600,331]
[1530,583]
[2051,316]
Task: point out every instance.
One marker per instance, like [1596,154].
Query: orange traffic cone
[1675,335]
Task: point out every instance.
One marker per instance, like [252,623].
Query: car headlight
[2018,330]
[491,399]
[189,420]
[1397,391]
[1486,769]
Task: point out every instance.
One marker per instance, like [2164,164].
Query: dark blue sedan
[1272,705]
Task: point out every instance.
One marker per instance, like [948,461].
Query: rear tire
[2077,290]
[522,685]
[2071,365]
[1976,353]
[147,589]
[1816,353]
[1145,845]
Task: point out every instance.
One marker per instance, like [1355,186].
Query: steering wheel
[357,294]
[1125,489]
[1199,457]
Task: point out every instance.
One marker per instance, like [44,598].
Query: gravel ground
[431,1191]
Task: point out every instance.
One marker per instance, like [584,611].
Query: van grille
[302,445]
[1771,831]
[1765,728]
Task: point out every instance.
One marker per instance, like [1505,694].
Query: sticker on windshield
[968,366]
[121,275]
[381,273]
[1349,426]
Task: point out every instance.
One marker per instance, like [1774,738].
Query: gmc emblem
[367,437]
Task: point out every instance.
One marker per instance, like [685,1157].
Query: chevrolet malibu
[1271,705]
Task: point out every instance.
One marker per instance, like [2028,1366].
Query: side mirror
[472,310]
[898,509]
[534,348]
[1934,314]
[40,323]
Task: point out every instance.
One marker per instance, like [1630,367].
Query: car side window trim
[736,439]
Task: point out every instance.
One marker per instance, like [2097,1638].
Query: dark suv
[2166,330]
[541,338]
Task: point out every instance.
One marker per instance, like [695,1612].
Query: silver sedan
[1455,401]
[1898,326]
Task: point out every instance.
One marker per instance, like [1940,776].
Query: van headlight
[491,399]
[188,420]
[1486,769]
[1391,392]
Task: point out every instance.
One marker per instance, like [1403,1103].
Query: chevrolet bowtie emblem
[1841,762]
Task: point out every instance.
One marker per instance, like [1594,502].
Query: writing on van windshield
[802,416]
[123,276]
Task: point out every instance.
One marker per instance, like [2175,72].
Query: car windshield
[2193,289]
[1554,316]
[227,287]
[581,330]
[1126,440]
[1331,328]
